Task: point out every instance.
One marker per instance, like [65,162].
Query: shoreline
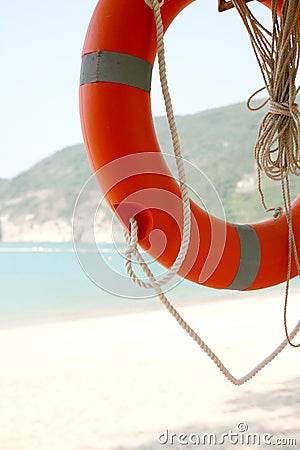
[145,306]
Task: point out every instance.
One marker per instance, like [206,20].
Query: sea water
[41,282]
[47,281]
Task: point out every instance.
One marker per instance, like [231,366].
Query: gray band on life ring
[249,260]
[116,67]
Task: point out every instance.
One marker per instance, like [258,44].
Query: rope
[132,249]
[172,271]
[132,239]
[277,149]
[149,3]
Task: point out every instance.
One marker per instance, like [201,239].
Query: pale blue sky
[210,64]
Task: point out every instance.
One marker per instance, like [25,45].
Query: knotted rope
[277,149]
[132,239]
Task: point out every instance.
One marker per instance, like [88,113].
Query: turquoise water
[40,282]
[45,281]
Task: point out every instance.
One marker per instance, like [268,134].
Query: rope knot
[278,212]
[283,109]
[150,3]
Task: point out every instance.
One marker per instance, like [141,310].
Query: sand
[120,382]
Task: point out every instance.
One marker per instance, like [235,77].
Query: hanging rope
[132,250]
[156,5]
[277,149]
[132,239]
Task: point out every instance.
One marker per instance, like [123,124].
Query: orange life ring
[120,139]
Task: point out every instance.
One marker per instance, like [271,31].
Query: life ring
[121,143]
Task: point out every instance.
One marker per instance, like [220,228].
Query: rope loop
[150,3]
[132,249]
[261,105]
[278,212]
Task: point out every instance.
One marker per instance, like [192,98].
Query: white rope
[132,249]
[132,239]
[173,270]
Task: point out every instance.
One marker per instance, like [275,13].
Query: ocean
[42,282]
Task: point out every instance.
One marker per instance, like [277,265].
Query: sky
[210,63]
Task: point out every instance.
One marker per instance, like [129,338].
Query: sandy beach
[124,382]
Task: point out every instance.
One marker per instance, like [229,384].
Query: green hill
[219,142]
[49,189]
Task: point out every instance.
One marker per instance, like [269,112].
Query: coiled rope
[277,149]
[132,239]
